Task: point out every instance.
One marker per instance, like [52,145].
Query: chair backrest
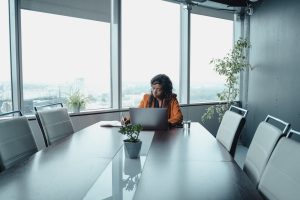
[281,177]
[291,132]
[265,138]
[16,141]
[230,128]
[55,123]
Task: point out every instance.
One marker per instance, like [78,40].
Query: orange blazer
[174,112]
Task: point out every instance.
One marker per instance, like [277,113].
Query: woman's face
[157,91]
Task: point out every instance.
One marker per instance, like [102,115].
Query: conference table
[178,163]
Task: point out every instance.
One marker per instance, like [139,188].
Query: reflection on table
[120,178]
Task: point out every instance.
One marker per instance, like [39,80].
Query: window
[150,46]
[5,73]
[210,38]
[62,55]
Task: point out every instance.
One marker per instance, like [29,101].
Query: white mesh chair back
[281,177]
[265,138]
[16,141]
[230,129]
[55,124]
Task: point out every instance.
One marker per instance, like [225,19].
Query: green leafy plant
[76,101]
[132,132]
[230,66]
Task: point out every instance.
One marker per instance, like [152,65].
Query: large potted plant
[132,144]
[76,101]
[230,66]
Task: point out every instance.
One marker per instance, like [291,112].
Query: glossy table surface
[92,164]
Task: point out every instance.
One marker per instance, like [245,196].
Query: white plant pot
[133,148]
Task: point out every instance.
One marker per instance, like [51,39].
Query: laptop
[150,118]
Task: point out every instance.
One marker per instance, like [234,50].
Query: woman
[161,96]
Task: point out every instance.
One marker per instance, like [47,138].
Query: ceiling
[232,5]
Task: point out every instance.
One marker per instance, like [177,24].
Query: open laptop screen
[150,118]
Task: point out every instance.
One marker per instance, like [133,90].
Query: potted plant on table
[132,144]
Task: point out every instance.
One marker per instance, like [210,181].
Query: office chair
[230,128]
[281,177]
[55,123]
[265,139]
[16,140]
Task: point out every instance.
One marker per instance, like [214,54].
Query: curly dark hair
[167,87]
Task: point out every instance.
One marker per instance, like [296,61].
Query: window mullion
[184,91]
[15,48]
[116,75]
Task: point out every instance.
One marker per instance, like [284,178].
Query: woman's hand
[125,121]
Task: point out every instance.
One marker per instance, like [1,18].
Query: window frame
[116,41]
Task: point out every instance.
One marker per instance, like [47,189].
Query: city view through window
[207,43]
[150,46]
[66,56]
[63,57]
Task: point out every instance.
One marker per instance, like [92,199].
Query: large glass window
[150,46]
[5,73]
[210,38]
[64,56]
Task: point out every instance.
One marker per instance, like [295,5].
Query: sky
[4,42]
[150,39]
[210,38]
[59,49]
